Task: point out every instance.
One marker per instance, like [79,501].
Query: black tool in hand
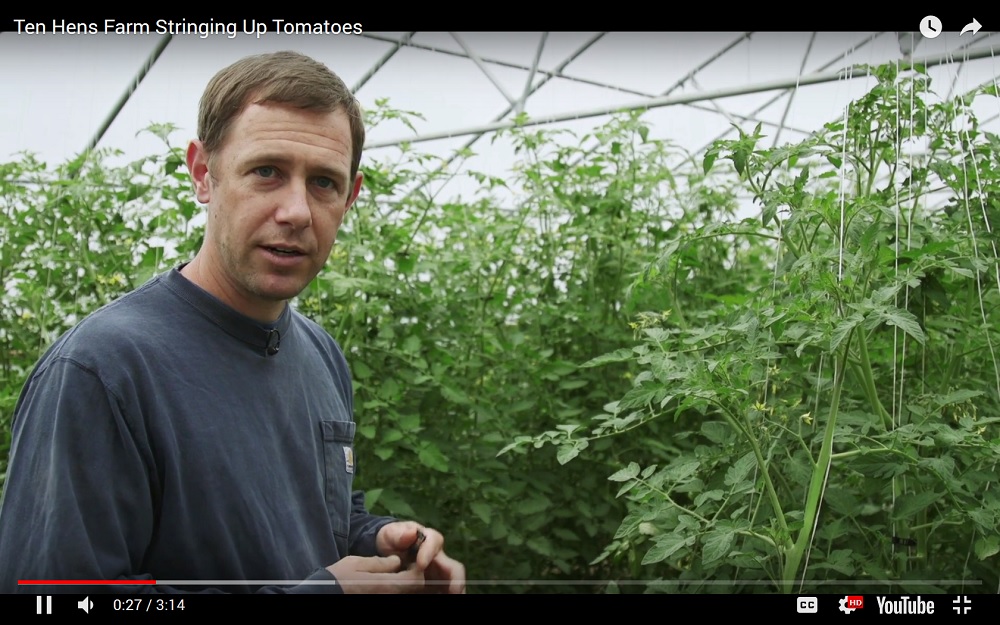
[411,554]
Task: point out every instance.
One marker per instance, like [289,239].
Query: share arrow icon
[972,27]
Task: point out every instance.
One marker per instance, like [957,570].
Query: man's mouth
[283,251]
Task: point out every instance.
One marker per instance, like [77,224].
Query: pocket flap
[340,431]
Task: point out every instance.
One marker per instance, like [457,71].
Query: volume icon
[86,605]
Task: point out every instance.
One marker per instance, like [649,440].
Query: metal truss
[536,78]
[661,101]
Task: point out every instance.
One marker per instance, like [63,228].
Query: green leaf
[843,329]
[716,431]
[740,160]
[957,397]
[908,505]
[430,456]
[739,471]
[666,546]
[498,529]
[987,547]
[626,487]
[984,519]
[483,511]
[533,505]
[682,470]
[714,495]
[411,344]
[628,526]
[768,214]
[717,543]
[173,163]
[361,370]
[454,395]
[619,355]
[519,441]
[396,505]
[710,157]
[567,453]
[625,474]
[372,496]
[642,397]
[540,545]
[907,322]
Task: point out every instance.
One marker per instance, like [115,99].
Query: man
[198,431]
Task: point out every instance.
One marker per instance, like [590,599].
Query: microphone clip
[273,342]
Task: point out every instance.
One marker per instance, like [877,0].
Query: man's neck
[197,271]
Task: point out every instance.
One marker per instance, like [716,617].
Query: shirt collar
[263,338]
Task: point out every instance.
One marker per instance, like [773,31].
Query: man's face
[277,191]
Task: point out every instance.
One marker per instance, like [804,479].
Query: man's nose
[294,208]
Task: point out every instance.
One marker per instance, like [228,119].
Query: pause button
[48,604]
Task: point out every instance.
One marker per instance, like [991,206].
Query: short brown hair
[286,77]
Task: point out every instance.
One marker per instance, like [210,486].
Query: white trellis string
[895,276]
[996,92]
[982,201]
[975,248]
[975,244]
[963,130]
[899,350]
[898,405]
[843,192]
[840,276]
[774,290]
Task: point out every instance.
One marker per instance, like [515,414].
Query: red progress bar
[88,582]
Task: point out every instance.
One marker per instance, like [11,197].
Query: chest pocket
[338,456]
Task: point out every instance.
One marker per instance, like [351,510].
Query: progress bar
[492,582]
[86,582]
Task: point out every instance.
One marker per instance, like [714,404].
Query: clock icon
[930,26]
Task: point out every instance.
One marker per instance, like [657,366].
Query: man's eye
[265,172]
[325,183]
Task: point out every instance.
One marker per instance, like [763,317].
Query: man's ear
[197,162]
[358,181]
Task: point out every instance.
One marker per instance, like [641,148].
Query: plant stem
[817,483]
[768,484]
[869,382]
[848,454]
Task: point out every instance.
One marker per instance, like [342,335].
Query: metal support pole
[148,65]
[771,101]
[712,59]
[547,76]
[791,95]
[531,76]
[501,63]
[482,67]
[382,61]
[790,83]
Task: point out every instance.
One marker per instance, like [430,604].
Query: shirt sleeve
[77,502]
[364,527]
[81,493]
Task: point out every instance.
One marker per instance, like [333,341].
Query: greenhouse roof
[66,93]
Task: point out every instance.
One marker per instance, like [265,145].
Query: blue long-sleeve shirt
[162,439]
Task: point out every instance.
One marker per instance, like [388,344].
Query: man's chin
[280,290]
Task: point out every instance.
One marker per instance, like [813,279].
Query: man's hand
[376,575]
[441,573]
